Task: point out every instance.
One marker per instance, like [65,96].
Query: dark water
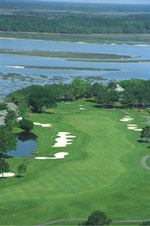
[26,143]
[28,76]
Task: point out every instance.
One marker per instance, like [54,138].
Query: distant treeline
[136,93]
[76,24]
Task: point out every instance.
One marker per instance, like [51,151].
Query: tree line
[70,23]
[136,93]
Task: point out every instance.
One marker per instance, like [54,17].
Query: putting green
[102,170]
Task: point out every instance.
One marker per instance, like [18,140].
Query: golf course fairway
[101,172]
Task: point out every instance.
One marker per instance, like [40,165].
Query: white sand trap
[82,108]
[43,125]
[138,130]
[68,136]
[62,133]
[63,139]
[126,119]
[132,125]
[59,155]
[7,174]
[13,66]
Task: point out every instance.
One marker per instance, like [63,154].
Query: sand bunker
[7,174]
[126,119]
[59,155]
[82,108]
[63,139]
[138,129]
[43,125]
[13,66]
[132,127]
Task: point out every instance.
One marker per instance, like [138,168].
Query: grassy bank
[72,68]
[102,170]
[65,54]
[108,61]
[91,38]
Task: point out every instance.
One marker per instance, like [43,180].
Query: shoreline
[79,38]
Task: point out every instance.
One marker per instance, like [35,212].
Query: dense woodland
[73,18]
[76,23]
[136,94]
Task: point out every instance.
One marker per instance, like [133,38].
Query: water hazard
[26,143]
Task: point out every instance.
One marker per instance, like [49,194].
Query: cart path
[62,220]
[147,117]
[124,111]
[84,219]
[143,162]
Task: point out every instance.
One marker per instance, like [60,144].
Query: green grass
[101,172]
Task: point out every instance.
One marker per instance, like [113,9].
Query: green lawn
[101,172]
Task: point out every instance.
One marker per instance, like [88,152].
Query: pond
[26,143]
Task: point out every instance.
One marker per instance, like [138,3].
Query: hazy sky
[106,1]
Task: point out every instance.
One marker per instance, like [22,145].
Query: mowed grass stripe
[102,170]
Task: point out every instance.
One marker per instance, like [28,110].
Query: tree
[146,133]
[79,87]
[22,109]
[35,97]
[26,125]
[3,106]
[96,88]
[4,166]
[145,223]
[68,92]
[113,96]
[97,218]
[103,97]
[21,168]
[40,97]
[7,140]
[10,119]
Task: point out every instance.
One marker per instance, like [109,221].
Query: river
[13,63]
